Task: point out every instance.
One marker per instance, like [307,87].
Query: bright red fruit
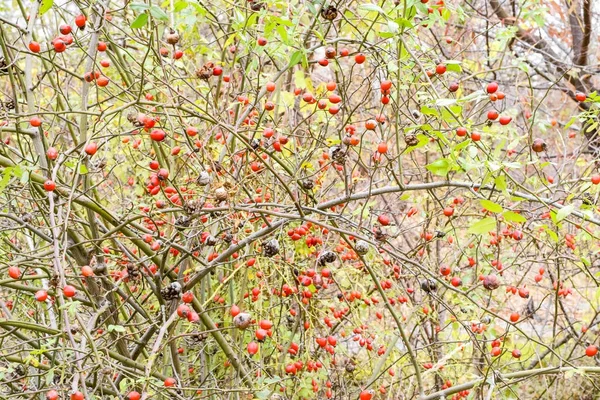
[265,324]
[49,185]
[52,395]
[34,47]
[261,334]
[383,219]
[91,148]
[59,46]
[235,310]
[134,396]
[35,121]
[80,21]
[591,350]
[14,272]
[366,395]
[191,131]
[69,291]
[65,29]
[158,135]
[492,87]
[492,115]
[183,311]
[252,348]
[77,396]
[41,295]
[170,382]
[187,297]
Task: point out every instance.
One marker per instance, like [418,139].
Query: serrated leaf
[158,13]
[45,6]
[370,7]
[512,216]
[491,206]
[483,226]
[564,212]
[140,21]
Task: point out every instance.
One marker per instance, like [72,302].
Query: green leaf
[180,5]
[423,140]
[500,182]
[370,7]
[483,226]
[454,67]
[139,7]
[158,13]
[512,216]
[429,111]
[491,206]
[6,175]
[404,22]
[282,33]
[564,212]
[263,394]
[140,21]
[45,6]
[25,177]
[50,377]
[83,169]
[116,328]
[439,167]
[296,58]
[571,122]
[552,234]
